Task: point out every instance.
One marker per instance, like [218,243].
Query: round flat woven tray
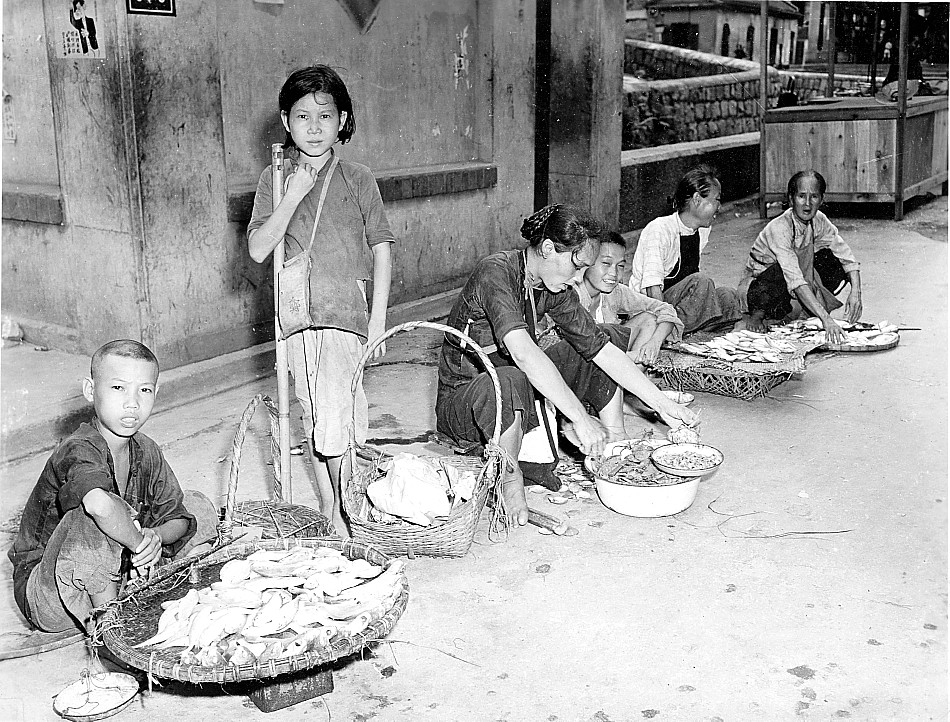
[133,617]
[846,348]
[280,520]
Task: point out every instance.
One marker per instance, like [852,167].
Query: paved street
[808,580]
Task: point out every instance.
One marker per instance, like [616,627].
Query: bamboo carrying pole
[283,385]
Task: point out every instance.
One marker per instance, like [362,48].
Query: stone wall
[702,95]
[677,111]
[668,62]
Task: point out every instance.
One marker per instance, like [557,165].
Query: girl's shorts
[323,362]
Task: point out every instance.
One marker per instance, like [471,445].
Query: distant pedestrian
[666,265]
[800,256]
[349,244]
[107,505]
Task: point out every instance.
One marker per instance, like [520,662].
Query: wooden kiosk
[868,149]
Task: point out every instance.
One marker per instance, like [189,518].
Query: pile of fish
[746,346]
[276,604]
[856,334]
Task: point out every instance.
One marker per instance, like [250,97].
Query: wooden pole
[832,49]
[542,103]
[873,70]
[901,114]
[283,385]
[763,106]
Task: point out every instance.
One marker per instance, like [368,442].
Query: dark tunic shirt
[688,263]
[80,464]
[492,304]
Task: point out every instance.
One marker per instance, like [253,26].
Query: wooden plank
[928,184]
[939,151]
[287,691]
[886,144]
[33,202]
[865,156]
[827,113]
[854,109]
[831,197]
[918,149]
[843,142]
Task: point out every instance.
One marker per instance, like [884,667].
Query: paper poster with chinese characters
[77,31]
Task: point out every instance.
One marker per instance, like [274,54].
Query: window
[750,41]
[682,35]
[724,44]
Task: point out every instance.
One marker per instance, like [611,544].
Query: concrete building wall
[710,22]
[586,96]
[158,144]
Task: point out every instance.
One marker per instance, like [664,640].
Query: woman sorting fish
[799,256]
[666,262]
[498,309]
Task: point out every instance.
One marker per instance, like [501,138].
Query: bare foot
[615,434]
[756,322]
[512,491]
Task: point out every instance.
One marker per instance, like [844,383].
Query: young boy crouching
[105,489]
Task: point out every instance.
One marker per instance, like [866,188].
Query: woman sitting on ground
[799,255]
[666,262]
[498,309]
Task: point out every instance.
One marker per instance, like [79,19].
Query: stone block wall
[813,85]
[668,62]
[677,111]
[702,95]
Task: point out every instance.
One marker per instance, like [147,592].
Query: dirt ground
[807,581]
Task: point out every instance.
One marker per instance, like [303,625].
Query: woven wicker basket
[449,538]
[725,382]
[133,617]
[741,380]
[278,519]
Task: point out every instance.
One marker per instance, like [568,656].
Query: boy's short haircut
[615,238]
[124,347]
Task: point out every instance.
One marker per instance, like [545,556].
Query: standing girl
[799,255]
[351,243]
[666,262]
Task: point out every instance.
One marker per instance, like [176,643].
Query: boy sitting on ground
[105,490]
[609,300]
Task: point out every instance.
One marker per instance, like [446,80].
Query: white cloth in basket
[414,489]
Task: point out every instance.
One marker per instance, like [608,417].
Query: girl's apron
[688,262]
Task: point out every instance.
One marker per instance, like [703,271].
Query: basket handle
[409,326]
[224,528]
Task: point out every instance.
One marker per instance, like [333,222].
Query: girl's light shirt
[787,240]
[658,251]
